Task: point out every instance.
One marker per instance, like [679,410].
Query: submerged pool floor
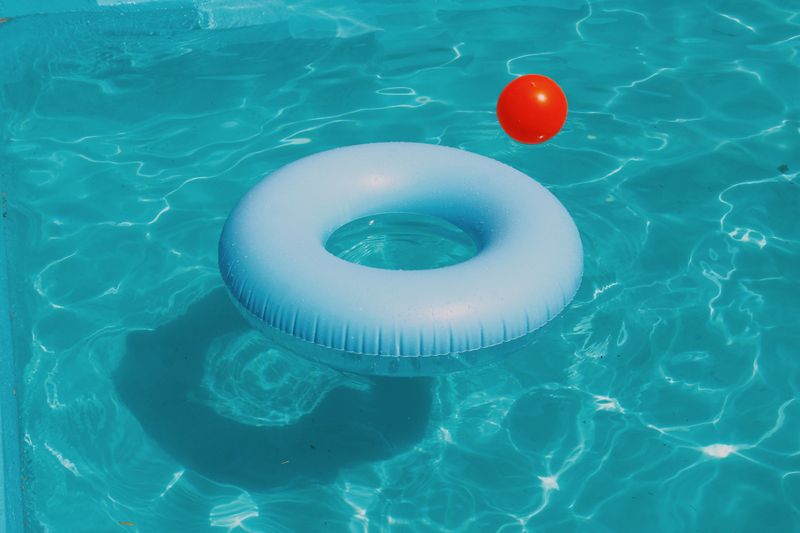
[666,398]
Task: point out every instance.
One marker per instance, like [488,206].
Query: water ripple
[665,398]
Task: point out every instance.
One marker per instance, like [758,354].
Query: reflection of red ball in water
[532,108]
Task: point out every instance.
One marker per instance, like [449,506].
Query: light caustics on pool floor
[665,398]
[402,241]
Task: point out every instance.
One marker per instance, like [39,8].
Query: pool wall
[10,489]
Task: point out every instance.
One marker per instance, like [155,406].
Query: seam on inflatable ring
[550,318]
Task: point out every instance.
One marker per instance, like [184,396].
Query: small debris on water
[783,169]
[285,462]
[126,523]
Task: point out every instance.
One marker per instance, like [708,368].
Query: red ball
[532,108]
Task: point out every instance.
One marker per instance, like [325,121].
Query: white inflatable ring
[273,259]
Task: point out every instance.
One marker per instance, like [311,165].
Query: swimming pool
[664,398]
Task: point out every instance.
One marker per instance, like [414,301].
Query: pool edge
[10,479]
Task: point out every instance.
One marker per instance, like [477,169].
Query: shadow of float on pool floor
[162,370]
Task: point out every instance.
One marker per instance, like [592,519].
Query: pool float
[368,320]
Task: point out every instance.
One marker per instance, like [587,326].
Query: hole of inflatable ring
[402,241]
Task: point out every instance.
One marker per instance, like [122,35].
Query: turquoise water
[402,241]
[665,398]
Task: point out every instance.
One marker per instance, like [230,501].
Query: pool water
[402,241]
[665,398]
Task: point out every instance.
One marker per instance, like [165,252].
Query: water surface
[665,398]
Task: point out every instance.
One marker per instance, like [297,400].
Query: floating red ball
[532,108]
